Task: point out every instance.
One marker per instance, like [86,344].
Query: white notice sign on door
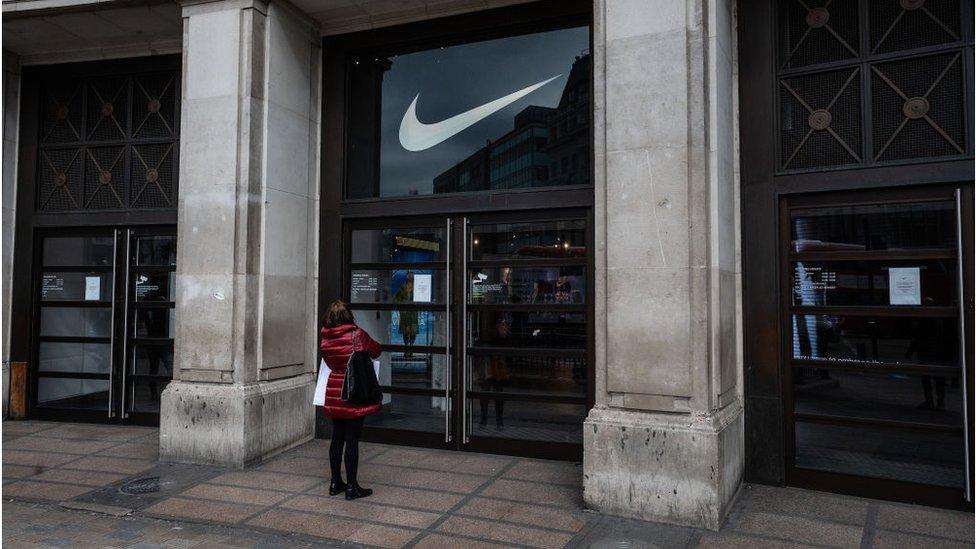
[422,288]
[904,286]
[93,288]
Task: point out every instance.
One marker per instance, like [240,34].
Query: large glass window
[507,113]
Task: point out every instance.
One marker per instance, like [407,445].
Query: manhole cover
[622,543]
[141,486]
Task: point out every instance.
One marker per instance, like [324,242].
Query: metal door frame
[455,436]
[877,487]
[121,344]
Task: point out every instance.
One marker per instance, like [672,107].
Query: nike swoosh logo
[416,136]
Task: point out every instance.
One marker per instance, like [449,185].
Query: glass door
[526,334]
[877,376]
[103,323]
[484,327]
[75,317]
[398,287]
[150,303]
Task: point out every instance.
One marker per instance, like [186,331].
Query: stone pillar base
[235,425]
[670,468]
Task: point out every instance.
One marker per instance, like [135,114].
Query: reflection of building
[514,160]
[569,129]
[546,146]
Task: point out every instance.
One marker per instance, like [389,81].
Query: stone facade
[664,440]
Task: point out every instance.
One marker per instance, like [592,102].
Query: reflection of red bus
[551,251]
[821,246]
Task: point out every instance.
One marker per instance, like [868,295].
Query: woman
[340,338]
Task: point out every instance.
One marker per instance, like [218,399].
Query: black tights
[345,432]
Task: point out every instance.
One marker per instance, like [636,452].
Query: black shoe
[336,488]
[355,491]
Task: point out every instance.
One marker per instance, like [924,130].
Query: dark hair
[337,315]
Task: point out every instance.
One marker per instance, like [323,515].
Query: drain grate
[140,486]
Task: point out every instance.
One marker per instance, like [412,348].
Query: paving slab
[422,498]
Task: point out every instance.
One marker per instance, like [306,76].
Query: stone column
[11,127]
[245,338]
[664,441]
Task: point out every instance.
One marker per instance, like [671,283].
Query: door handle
[125,321]
[962,344]
[111,346]
[464,332]
[447,317]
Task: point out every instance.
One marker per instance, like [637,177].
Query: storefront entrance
[879,368]
[484,324]
[103,306]
[456,219]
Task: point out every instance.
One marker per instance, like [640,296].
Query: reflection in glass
[152,360]
[865,283]
[155,323]
[401,286]
[75,286]
[79,251]
[545,421]
[550,239]
[76,321]
[914,456]
[87,394]
[541,137]
[155,285]
[876,339]
[549,285]
[529,374]
[932,399]
[397,245]
[74,357]
[156,250]
[535,329]
[385,327]
[412,370]
[875,227]
[144,395]
[410,413]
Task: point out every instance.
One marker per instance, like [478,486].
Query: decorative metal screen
[870,81]
[109,143]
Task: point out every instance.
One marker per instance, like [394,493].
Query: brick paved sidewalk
[423,498]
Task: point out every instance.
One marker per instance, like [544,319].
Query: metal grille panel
[917,109]
[153,180]
[125,134]
[821,119]
[817,32]
[60,179]
[104,171]
[154,105]
[108,105]
[898,107]
[61,115]
[908,24]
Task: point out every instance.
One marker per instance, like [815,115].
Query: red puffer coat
[336,345]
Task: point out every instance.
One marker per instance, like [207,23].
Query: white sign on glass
[93,288]
[422,288]
[904,286]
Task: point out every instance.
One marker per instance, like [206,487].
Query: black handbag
[360,386]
